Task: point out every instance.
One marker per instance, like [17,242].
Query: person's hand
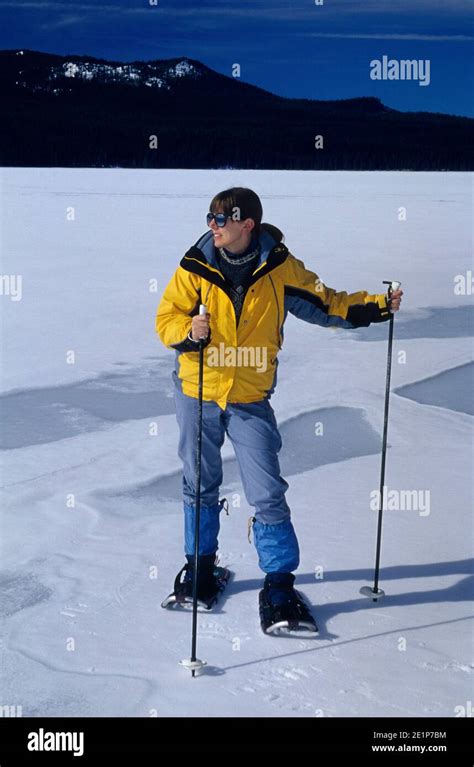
[396,299]
[200,326]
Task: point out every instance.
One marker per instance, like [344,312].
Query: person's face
[235,235]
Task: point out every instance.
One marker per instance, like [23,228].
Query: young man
[249,281]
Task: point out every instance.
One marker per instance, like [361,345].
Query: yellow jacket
[241,361]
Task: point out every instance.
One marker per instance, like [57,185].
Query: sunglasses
[219,218]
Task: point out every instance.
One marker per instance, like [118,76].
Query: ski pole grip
[392,285]
[202,310]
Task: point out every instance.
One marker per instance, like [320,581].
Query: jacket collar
[201,257]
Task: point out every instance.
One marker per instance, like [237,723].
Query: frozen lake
[453,389]
[91,516]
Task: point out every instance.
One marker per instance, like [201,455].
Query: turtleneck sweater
[237,274]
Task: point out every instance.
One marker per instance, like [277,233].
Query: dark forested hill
[77,111]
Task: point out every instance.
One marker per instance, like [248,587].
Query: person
[244,274]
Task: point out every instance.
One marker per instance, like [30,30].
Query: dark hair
[239,202]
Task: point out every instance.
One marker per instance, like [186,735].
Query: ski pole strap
[224,504]
[249,528]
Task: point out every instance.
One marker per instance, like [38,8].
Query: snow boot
[282,609]
[212,580]
[206,585]
[279,591]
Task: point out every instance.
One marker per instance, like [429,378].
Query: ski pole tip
[368,591]
[194,666]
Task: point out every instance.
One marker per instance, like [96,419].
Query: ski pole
[376,593]
[194,664]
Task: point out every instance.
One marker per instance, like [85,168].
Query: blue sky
[290,47]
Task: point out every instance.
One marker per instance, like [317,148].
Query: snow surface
[91,514]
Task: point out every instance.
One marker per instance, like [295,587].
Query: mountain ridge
[92,112]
